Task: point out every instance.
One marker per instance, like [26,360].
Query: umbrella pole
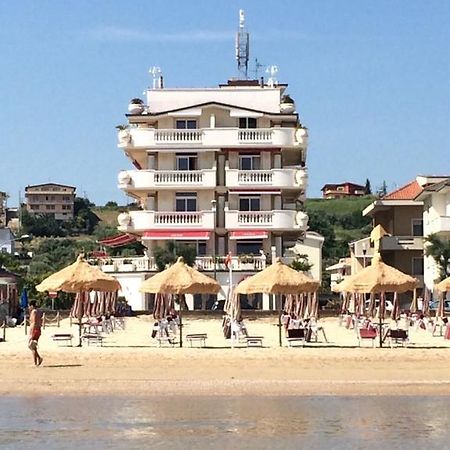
[382,299]
[181,324]
[279,321]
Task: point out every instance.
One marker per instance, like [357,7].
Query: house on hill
[343,190]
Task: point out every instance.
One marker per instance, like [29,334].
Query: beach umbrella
[180,279]
[24,299]
[440,311]
[279,279]
[444,285]
[395,313]
[80,278]
[426,302]
[414,304]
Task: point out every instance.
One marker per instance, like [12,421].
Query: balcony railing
[277,178]
[438,225]
[202,263]
[401,243]
[145,220]
[271,220]
[208,137]
[149,179]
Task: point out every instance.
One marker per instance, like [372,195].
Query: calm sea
[224,423]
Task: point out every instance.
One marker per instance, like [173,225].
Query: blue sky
[371,80]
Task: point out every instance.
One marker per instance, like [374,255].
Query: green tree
[301,263]
[439,250]
[170,253]
[368,188]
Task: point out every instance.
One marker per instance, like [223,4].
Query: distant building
[6,241]
[339,271]
[343,190]
[51,198]
[3,197]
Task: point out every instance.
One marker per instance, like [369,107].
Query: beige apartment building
[51,198]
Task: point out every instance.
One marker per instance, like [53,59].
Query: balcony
[440,224]
[274,178]
[202,263]
[147,138]
[269,220]
[139,221]
[401,243]
[151,179]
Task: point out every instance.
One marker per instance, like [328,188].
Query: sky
[371,81]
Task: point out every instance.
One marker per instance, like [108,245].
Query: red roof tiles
[408,192]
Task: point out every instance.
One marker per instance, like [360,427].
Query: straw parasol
[80,277]
[281,279]
[444,285]
[180,279]
[378,277]
[277,279]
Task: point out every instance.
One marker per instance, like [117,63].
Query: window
[187,161]
[417,266]
[249,247]
[186,124]
[250,203]
[417,227]
[186,201]
[247,122]
[249,162]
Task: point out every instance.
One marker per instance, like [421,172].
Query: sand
[130,363]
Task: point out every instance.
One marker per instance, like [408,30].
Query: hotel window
[247,122]
[186,124]
[417,227]
[249,162]
[250,203]
[248,247]
[417,266]
[187,161]
[185,201]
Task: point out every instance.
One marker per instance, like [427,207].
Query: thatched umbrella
[278,279]
[378,278]
[180,279]
[80,277]
[444,285]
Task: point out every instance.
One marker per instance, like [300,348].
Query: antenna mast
[242,46]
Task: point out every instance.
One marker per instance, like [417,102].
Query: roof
[408,192]
[438,186]
[49,184]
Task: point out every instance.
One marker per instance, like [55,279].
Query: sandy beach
[131,363]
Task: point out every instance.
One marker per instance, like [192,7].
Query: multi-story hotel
[51,198]
[223,169]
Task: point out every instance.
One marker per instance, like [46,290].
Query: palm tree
[439,250]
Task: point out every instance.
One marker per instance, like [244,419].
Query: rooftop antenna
[242,46]
[156,73]
[257,68]
[272,71]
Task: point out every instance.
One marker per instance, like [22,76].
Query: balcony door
[247,122]
[185,202]
[186,124]
[249,203]
[249,162]
[186,161]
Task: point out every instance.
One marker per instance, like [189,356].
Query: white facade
[223,169]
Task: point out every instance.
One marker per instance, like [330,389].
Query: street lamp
[213,209]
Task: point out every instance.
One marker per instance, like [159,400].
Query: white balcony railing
[209,137]
[401,243]
[149,179]
[137,221]
[277,178]
[438,225]
[271,220]
[203,263]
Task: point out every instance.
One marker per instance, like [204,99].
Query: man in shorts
[35,331]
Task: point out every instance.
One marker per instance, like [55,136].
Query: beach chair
[296,336]
[61,339]
[198,337]
[397,336]
[254,341]
[367,334]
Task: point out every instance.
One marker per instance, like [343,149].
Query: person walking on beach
[35,331]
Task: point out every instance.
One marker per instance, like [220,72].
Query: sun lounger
[93,338]
[254,341]
[296,336]
[367,334]
[199,337]
[397,336]
[63,339]
[165,340]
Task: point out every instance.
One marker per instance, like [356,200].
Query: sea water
[199,422]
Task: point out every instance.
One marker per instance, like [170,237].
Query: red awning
[179,235]
[249,234]
[118,240]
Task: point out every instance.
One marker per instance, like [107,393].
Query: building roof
[438,186]
[408,192]
[49,184]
